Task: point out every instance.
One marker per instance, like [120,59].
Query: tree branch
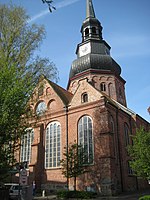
[49,3]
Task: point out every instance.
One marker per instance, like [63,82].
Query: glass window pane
[26,143]
[85,138]
[54,147]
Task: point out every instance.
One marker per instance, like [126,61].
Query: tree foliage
[19,73]
[140,154]
[72,164]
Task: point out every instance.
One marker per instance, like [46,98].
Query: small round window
[41,108]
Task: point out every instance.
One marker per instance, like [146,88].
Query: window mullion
[52,146]
[88,146]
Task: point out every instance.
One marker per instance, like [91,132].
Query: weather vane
[49,3]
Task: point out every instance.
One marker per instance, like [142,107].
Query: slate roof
[94,61]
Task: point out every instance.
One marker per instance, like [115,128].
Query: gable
[85,88]
[49,95]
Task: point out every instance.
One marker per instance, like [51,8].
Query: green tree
[19,73]
[72,164]
[140,154]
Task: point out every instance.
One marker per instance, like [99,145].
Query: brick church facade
[93,112]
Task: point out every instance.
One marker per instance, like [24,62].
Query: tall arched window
[110,89]
[52,145]
[103,86]
[84,98]
[93,30]
[114,139]
[26,142]
[126,134]
[85,138]
[86,32]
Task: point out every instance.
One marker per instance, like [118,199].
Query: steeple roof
[90,9]
[93,53]
[91,21]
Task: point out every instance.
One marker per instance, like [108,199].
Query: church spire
[89,9]
[91,27]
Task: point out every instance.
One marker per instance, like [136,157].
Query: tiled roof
[62,93]
[119,105]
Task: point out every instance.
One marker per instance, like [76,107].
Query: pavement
[126,196]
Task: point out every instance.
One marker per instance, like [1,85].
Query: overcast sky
[126,28]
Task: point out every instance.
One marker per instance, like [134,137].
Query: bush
[147,197]
[75,194]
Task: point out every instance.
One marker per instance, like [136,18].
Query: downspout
[136,180]
[66,112]
[120,164]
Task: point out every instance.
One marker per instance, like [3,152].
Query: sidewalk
[133,196]
[45,198]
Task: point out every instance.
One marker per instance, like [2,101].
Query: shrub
[147,197]
[63,194]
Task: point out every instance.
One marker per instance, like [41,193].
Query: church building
[92,112]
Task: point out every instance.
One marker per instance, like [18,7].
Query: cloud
[37,16]
[59,5]
[65,3]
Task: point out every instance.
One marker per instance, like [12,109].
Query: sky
[126,29]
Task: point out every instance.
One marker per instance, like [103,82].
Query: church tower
[94,61]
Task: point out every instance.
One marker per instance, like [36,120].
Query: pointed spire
[89,9]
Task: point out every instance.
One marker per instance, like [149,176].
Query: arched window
[41,108]
[93,30]
[110,89]
[26,142]
[86,32]
[114,139]
[84,97]
[52,145]
[126,134]
[103,86]
[85,138]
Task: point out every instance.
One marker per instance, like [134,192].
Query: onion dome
[93,53]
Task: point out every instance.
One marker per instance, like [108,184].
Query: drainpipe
[66,112]
[120,164]
[136,180]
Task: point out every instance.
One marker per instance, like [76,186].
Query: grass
[146,197]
